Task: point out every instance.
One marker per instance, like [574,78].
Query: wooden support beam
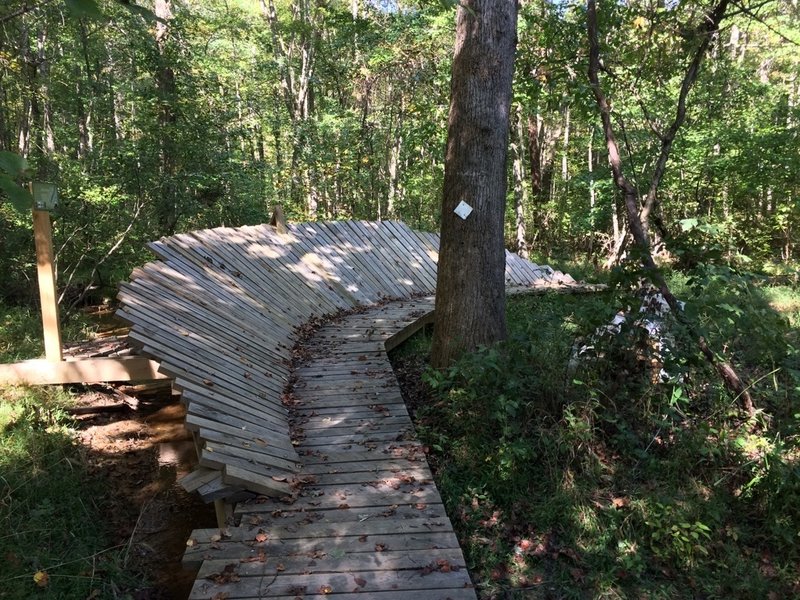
[89,370]
[43,235]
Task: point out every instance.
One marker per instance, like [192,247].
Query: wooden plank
[422,259]
[406,263]
[197,478]
[317,237]
[279,584]
[448,594]
[249,517]
[290,284]
[342,278]
[364,254]
[186,320]
[382,262]
[323,562]
[254,481]
[221,289]
[247,549]
[215,443]
[405,260]
[256,281]
[346,249]
[45,372]
[270,447]
[308,269]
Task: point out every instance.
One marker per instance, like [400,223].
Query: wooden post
[278,220]
[43,235]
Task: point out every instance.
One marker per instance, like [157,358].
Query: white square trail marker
[463,210]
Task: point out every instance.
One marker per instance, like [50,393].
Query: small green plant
[673,537]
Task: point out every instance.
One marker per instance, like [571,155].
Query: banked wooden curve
[220,309]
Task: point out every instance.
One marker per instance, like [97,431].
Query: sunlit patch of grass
[785,300]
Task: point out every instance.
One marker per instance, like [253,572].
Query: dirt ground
[140,452]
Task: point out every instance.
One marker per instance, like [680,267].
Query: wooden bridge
[320,485]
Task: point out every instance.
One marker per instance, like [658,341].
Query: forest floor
[592,480]
[139,454]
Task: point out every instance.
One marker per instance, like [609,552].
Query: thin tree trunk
[520,191]
[729,376]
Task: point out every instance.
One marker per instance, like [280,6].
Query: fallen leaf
[261,537]
[260,557]
[360,581]
[41,578]
[380,547]
[227,575]
[279,567]
[221,596]
[325,589]
[362,538]
[190,542]
[344,506]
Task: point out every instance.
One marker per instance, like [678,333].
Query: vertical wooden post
[43,235]
[278,220]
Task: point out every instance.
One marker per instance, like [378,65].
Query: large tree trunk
[470,293]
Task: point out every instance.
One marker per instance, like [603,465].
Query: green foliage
[597,480]
[49,505]
[12,168]
[21,332]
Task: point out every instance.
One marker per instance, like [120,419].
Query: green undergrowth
[52,543]
[21,331]
[606,477]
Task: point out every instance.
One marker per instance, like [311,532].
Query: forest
[198,114]
[155,117]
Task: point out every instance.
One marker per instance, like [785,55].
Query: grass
[21,331]
[593,481]
[50,506]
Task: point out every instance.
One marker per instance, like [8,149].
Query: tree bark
[470,298]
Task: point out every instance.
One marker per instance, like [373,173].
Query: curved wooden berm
[220,310]
[355,511]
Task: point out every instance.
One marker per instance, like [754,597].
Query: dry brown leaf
[41,578]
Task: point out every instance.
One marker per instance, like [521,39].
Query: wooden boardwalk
[332,494]
[368,521]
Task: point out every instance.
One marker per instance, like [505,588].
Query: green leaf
[688,224]
[13,164]
[21,198]
[84,8]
